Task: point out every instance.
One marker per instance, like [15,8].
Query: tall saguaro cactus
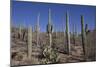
[49,29]
[74,34]
[83,34]
[38,29]
[67,34]
[29,42]
[49,52]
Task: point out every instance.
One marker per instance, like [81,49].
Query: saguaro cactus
[86,29]
[74,34]
[49,29]
[56,33]
[29,42]
[83,34]
[67,34]
[20,32]
[38,29]
[24,32]
[49,52]
[63,29]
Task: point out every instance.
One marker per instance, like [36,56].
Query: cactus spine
[83,35]
[29,42]
[67,34]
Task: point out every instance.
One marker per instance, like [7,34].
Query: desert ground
[19,48]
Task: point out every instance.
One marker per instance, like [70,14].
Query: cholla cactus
[29,42]
[50,55]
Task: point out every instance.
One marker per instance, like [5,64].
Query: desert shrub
[50,55]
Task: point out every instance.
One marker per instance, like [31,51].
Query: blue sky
[26,13]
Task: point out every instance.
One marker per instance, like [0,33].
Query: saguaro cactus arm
[86,29]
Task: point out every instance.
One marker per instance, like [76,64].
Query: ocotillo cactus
[29,42]
[67,34]
[83,35]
